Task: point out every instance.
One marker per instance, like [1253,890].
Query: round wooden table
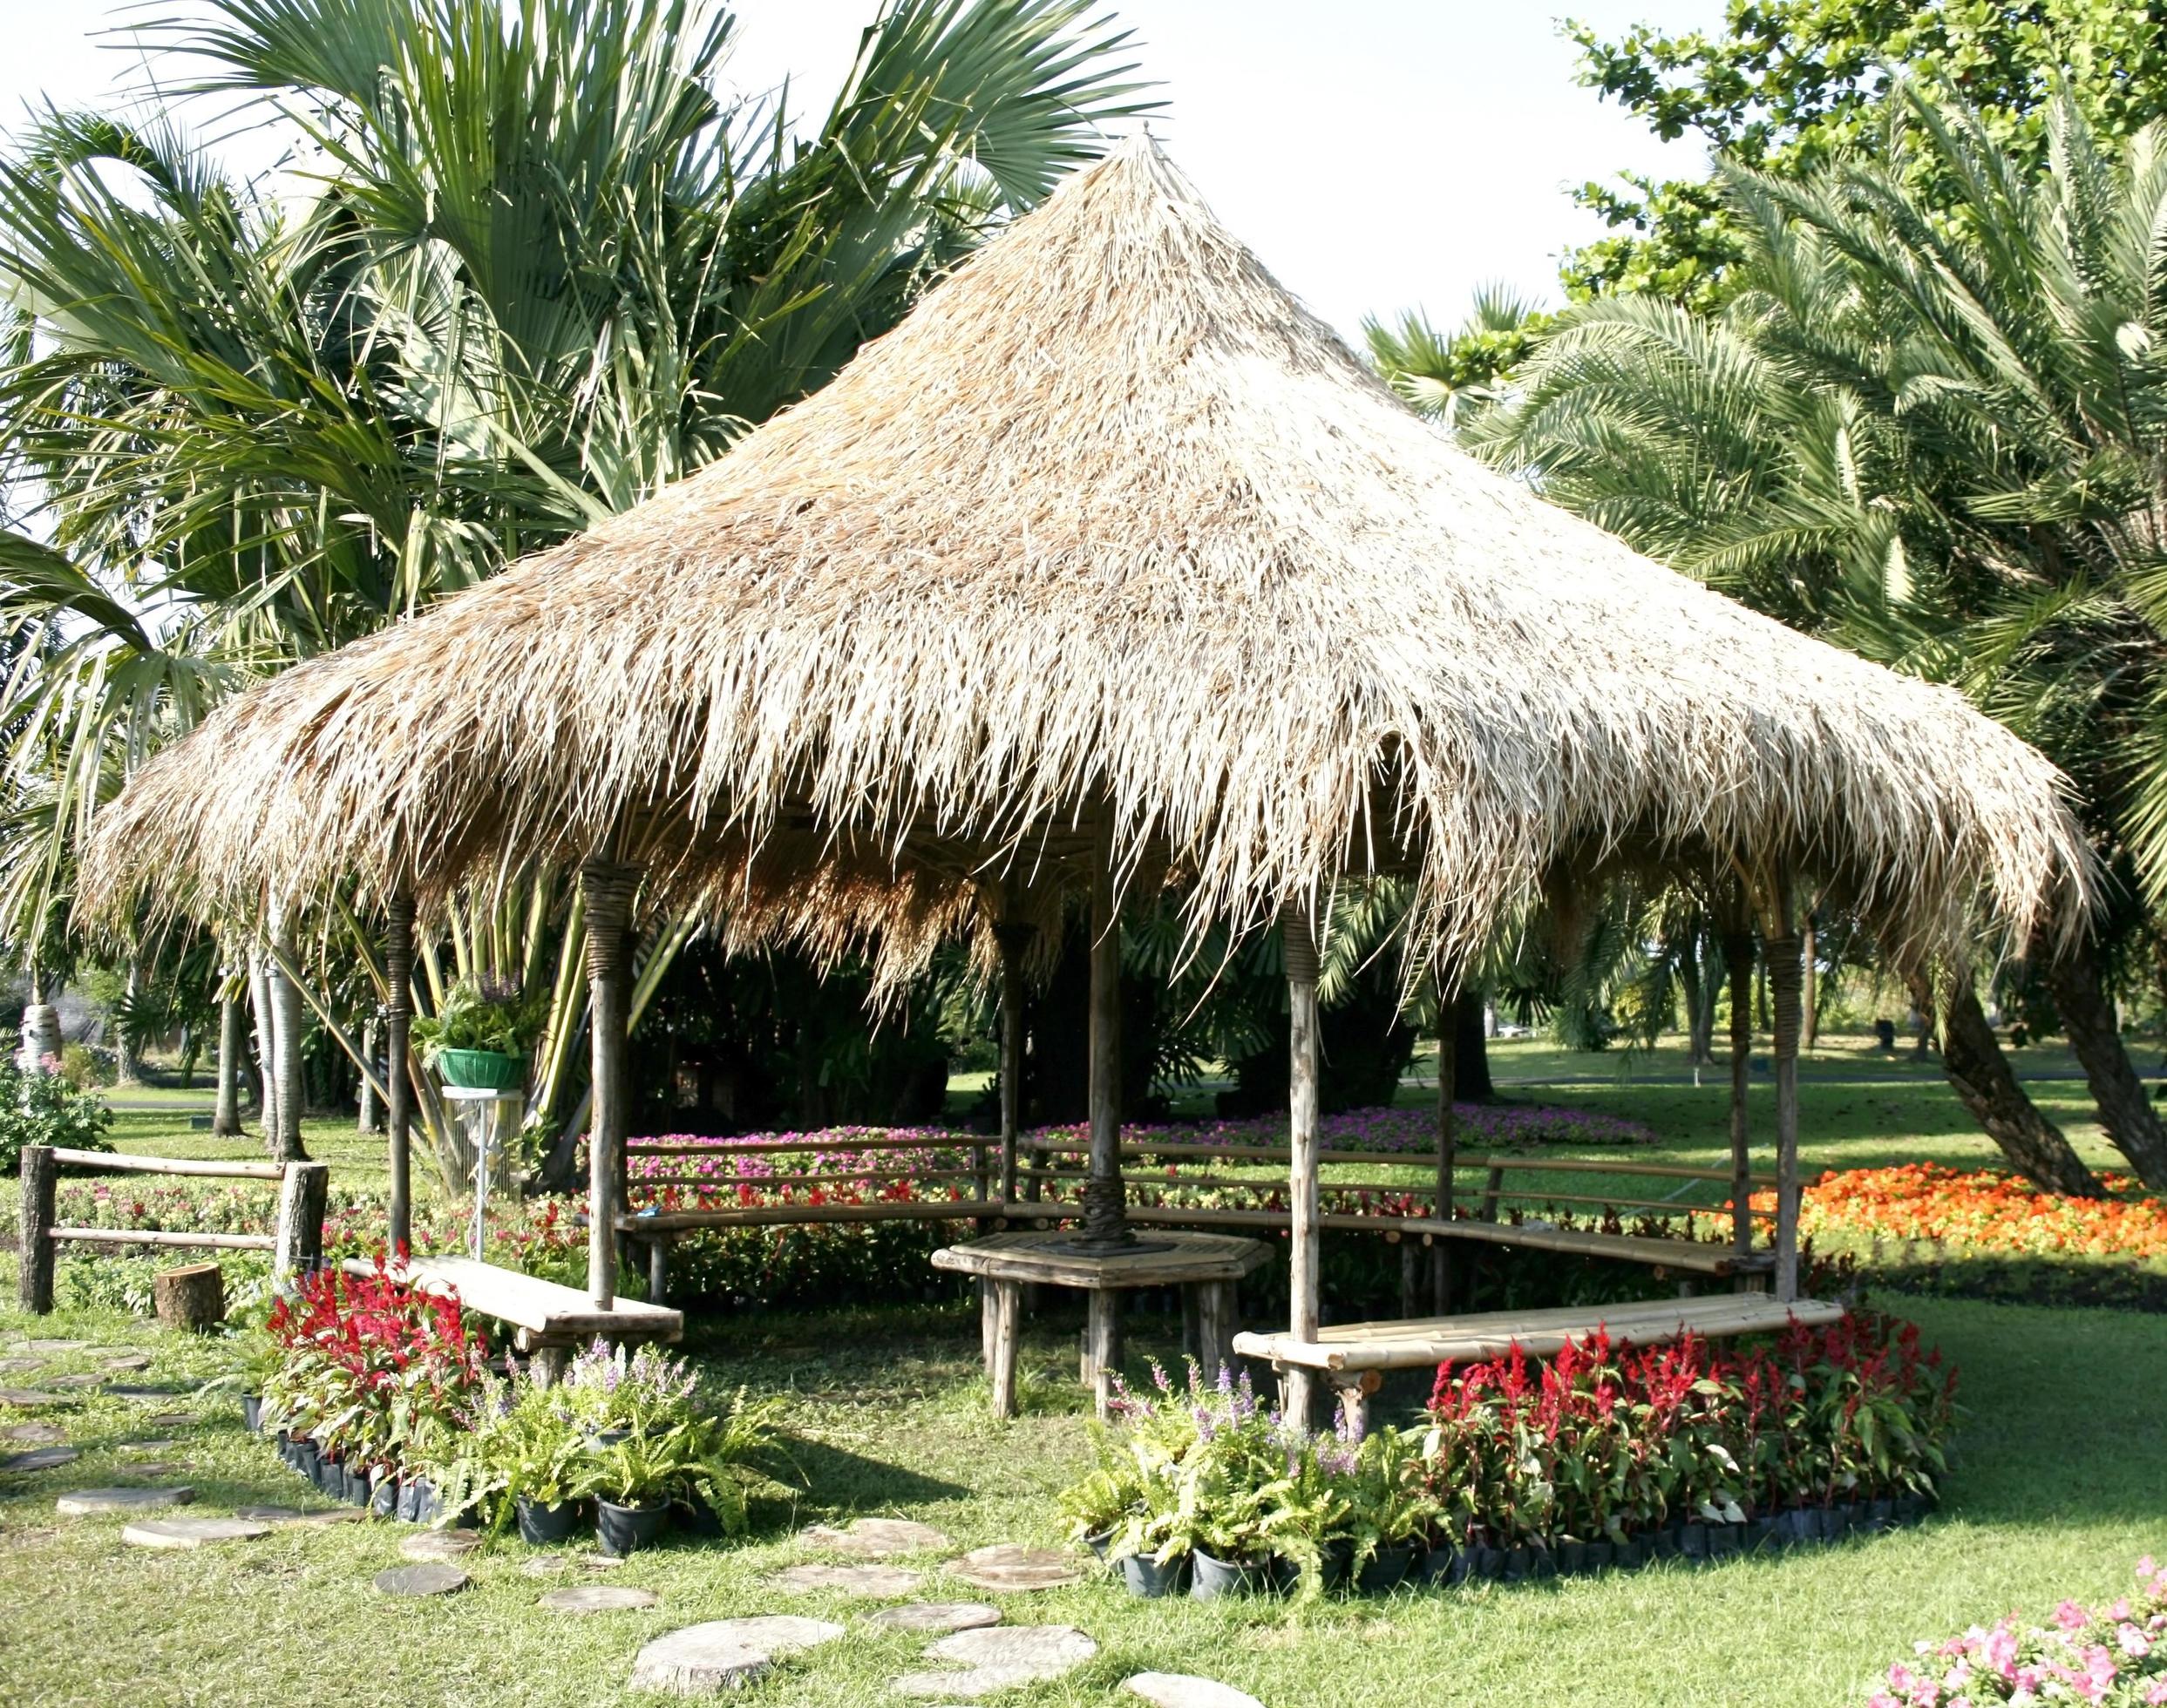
[1206,1267]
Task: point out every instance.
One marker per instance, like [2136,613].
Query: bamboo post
[290,1021]
[226,1111]
[297,1247]
[1004,1328]
[1448,1090]
[1298,950]
[398,1103]
[1012,939]
[1785,970]
[34,1276]
[606,889]
[1105,1203]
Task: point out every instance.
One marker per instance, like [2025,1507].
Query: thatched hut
[1111,566]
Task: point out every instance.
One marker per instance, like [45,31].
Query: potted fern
[479,1039]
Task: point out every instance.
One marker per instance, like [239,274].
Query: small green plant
[487,1015]
[45,1108]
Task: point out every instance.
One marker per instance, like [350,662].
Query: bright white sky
[1378,154]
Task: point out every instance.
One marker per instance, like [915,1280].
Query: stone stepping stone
[879,1581]
[157,1468]
[39,1459]
[284,1518]
[598,1598]
[935,1616]
[421,1581]
[998,1658]
[83,1501]
[72,1383]
[17,1366]
[878,1538]
[147,1449]
[1184,1690]
[33,1399]
[192,1532]
[547,1565]
[435,1545]
[143,1391]
[1008,1566]
[127,1361]
[172,1419]
[54,1345]
[45,1434]
[725,1654]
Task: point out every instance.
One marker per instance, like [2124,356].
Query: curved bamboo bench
[1352,1357]
[548,1318]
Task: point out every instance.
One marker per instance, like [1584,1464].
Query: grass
[2056,1494]
[886,1415]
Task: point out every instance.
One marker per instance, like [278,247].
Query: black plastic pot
[626,1529]
[690,1515]
[1725,1541]
[1098,1541]
[1488,1563]
[1572,1558]
[607,1438]
[1632,1554]
[252,1413]
[383,1496]
[331,1476]
[301,1455]
[1910,1509]
[1211,1579]
[1692,1541]
[1880,1514]
[1542,1560]
[414,1495]
[1600,1557]
[1386,1569]
[354,1487]
[1841,1521]
[1760,1533]
[541,1525]
[1147,1578]
[1444,1565]
[1336,1561]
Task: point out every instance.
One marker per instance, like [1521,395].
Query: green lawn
[2056,1494]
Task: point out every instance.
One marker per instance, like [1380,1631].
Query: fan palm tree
[545,265]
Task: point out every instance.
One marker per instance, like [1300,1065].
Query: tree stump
[192,1297]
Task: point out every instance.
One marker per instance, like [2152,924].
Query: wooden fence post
[35,1283]
[298,1245]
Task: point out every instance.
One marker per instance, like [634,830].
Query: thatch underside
[1110,525]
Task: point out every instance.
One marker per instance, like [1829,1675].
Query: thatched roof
[1109,522]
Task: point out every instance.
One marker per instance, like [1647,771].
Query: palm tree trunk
[2087,1016]
[226,1115]
[265,1044]
[287,1027]
[1981,1073]
[127,1057]
[365,1116]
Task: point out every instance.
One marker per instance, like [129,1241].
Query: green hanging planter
[481,1070]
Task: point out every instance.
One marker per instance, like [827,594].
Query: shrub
[2114,1656]
[45,1108]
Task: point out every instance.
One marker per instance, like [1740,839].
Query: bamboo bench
[1352,1357]
[548,1318]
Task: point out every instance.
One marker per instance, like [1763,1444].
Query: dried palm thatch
[1109,525]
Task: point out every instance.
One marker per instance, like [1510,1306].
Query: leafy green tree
[1789,86]
[1443,375]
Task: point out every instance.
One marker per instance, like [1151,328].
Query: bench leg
[1192,1342]
[658,1270]
[1411,1282]
[1297,1388]
[548,1365]
[1217,1309]
[1102,1344]
[1003,1325]
[1353,1390]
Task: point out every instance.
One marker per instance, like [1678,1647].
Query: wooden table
[1206,1267]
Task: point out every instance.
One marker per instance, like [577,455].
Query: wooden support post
[545,1366]
[1105,1202]
[1784,965]
[1410,1272]
[1193,1328]
[606,890]
[34,1276]
[1492,1189]
[1738,970]
[1005,1332]
[1102,1344]
[1012,939]
[1218,1318]
[658,1270]
[297,1246]
[1297,949]
[290,1021]
[1352,1390]
[398,1102]
[190,1298]
[1448,1092]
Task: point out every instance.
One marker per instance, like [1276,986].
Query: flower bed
[2114,1656]
[1592,1460]
[1922,1227]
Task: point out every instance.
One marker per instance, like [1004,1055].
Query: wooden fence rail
[296,1246]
